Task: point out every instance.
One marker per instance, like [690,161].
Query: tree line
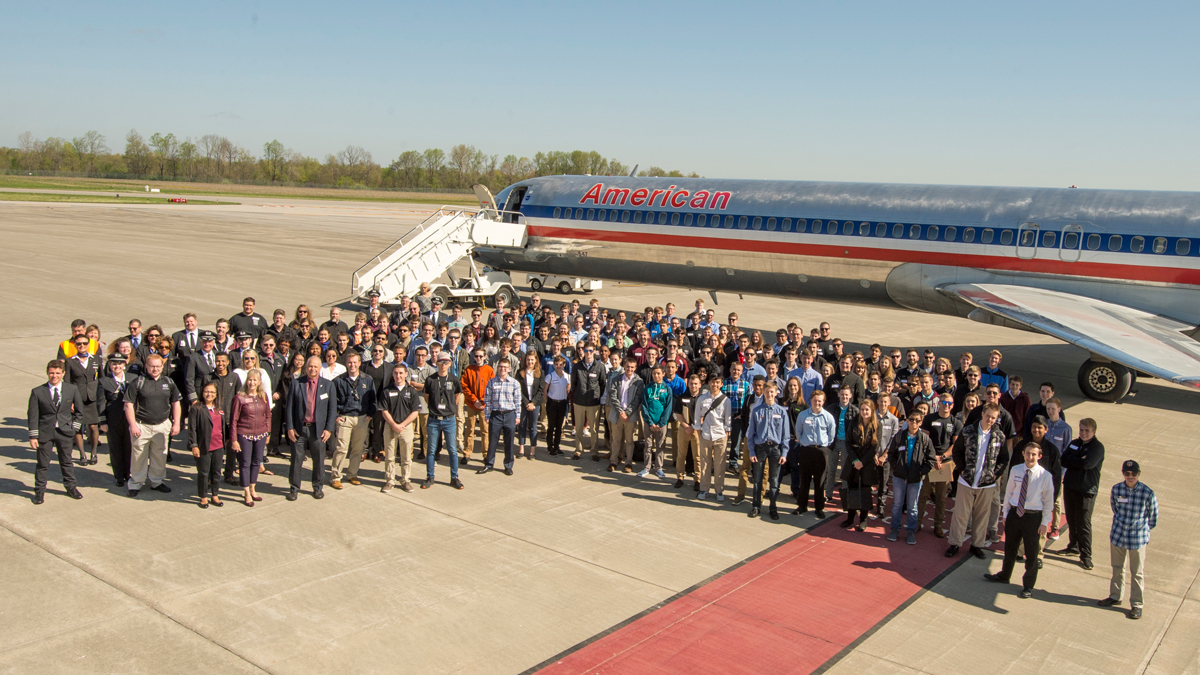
[215,158]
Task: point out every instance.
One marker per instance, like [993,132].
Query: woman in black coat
[861,472]
[206,438]
[533,396]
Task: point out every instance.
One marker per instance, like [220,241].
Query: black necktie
[54,397]
[191,340]
[210,360]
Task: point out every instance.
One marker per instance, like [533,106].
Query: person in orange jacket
[475,378]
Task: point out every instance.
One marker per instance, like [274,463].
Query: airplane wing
[1139,340]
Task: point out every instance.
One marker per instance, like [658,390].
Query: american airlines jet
[1115,272]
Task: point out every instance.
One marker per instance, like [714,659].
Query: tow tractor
[564,285]
[429,250]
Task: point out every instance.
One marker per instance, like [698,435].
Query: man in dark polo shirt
[444,395]
[398,406]
[309,421]
[943,429]
[248,322]
[152,410]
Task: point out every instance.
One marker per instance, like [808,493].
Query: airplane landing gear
[1104,380]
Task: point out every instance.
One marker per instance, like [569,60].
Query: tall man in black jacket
[1081,461]
[981,454]
[587,384]
[55,416]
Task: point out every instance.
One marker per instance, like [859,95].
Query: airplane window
[591,214]
[880,230]
[801,225]
[1160,244]
[1093,242]
[988,234]
[1137,244]
[915,232]
[558,212]
[831,227]
[1006,237]
[662,218]
[624,216]
[932,234]
[601,215]
[1048,239]
[701,220]
[612,216]
[687,220]
[816,227]
[864,229]
[786,226]
[757,224]
[897,231]
[729,222]
[674,218]
[951,233]
[637,216]
[770,224]
[742,222]
[848,228]
[578,214]
[969,235]
[1070,240]
[1114,242]
[1183,246]
[1028,238]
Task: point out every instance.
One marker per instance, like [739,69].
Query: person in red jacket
[1015,401]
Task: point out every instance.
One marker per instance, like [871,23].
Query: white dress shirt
[984,438]
[1039,495]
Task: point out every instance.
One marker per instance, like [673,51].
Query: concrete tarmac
[512,570]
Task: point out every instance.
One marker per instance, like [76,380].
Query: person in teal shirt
[657,403]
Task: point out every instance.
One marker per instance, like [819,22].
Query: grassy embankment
[98,199]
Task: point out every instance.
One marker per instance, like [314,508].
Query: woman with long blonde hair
[251,425]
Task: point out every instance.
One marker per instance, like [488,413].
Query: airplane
[1115,272]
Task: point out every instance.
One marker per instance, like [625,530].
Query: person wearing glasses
[83,371]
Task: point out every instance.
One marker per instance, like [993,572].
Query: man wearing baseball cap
[1135,513]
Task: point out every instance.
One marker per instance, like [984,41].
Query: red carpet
[788,611]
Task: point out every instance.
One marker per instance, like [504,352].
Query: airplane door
[487,203]
[513,206]
[1072,243]
[1027,239]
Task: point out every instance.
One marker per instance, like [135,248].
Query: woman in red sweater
[251,425]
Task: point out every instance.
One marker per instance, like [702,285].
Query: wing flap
[1146,342]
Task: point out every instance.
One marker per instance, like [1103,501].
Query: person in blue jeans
[911,456]
[444,396]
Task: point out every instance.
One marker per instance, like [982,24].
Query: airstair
[428,252]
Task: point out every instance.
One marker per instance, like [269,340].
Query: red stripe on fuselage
[1169,275]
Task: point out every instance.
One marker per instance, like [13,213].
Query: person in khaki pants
[474,384]
[355,406]
[587,384]
[981,451]
[399,405]
[687,436]
[624,403]
[713,419]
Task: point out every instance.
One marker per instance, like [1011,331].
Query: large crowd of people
[421,384]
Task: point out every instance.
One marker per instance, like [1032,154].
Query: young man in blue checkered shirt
[1135,513]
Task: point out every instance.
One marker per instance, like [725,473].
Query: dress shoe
[1021,558]
[774,514]
[860,527]
[575,456]
[427,483]
[204,505]
[1087,564]
[217,503]
[754,512]
[1135,613]
[256,498]
[1108,602]
[611,468]
[456,484]
[696,486]
[939,533]
[508,471]
[161,487]
[134,493]
[121,482]
[464,461]
[1025,593]
[820,515]
[318,493]
[292,495]
[628,468]
[406,486]
[595,457]
[1070,550]
[996,578]
[678,483]
[978,552]
[39,497]
[1039,563]
[847,523]
[336,485]
[799,512]
[355,481]
[952,551]
[74,493]
[485,469]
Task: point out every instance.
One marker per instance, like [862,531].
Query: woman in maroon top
[206,438]
[251,426]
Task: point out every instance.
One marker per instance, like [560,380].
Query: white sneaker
[720,498]
[702,496]
[643,473]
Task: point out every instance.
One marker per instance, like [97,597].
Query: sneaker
[1053,536]
[721,498]
[457,484]
[702,496]
[406,486]
[893,535]
[660,473]
[912,538]
[643,473]
[428,483]
[386,488]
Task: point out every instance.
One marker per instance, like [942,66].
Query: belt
[504,412]
[769,444]
[1029,511]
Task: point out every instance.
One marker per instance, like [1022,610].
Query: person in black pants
[206,439]
[309,421]
[558,390]
[111,398]
[1081,462]
[55,416]
[1025,515]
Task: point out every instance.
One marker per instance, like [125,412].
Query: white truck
[564,285]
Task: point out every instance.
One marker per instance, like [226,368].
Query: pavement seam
[1167,626]
[151,606]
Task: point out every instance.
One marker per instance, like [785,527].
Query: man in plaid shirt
[736,390]
[501,402]
[1135,513]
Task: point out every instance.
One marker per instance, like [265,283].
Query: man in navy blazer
[309,422]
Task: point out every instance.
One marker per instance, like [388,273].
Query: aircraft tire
[1104,380]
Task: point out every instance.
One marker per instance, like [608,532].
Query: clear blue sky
[1098,94]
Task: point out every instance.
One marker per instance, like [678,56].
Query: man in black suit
[309,421]
[135,333]
[200,365]
[186,341]
[273,363]
[111,400]
[55,416]
[436,316]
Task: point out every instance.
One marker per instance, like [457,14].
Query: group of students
[408,385]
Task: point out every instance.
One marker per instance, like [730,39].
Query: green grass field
[231,190]
[96,199]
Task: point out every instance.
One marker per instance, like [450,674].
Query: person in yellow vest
[66,348]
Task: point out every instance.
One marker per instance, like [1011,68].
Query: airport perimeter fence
[222,181]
